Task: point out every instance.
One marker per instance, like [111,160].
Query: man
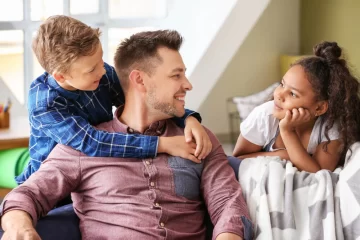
[156,198]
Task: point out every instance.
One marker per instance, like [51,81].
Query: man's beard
[164,107]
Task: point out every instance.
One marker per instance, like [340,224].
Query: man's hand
[18,225]
[294,118]
[176,146]
[228,236]
[24,234]
[193,129]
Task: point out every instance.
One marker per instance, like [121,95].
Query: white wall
[213,31]
[198,22]
[17,109]
[255,64]
[205,23]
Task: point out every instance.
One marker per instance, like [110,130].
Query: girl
[314,117]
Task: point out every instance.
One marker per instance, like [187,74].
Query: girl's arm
[280,153]
[298,154]
[303,161]
[244,146]
[245,149]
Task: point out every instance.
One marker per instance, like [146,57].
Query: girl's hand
[176,146]
[294,118]
[193,129]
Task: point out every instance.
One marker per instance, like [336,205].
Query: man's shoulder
[214,140]
[63,151]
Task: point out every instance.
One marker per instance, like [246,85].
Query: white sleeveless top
[261,127]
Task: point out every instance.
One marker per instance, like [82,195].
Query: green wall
[332,20]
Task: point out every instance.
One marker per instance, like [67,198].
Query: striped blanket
[285,203]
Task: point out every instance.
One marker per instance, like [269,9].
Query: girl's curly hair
[332,81]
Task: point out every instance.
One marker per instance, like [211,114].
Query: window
[19,20]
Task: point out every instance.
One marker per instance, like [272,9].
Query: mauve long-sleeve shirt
[165,197]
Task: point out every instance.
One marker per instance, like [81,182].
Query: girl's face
[294,91]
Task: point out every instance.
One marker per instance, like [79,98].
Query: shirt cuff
[195,115]
[181,121]
[150,146]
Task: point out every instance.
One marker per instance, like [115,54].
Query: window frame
[100,19]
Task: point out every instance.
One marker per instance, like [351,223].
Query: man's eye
[293,94]
[92,70]
[176,76]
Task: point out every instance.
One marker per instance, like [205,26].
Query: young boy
[77,91]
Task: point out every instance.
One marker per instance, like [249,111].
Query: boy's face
[167,85]
[85,72]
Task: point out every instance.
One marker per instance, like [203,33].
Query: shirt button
[157,204]
[162,224]
[147,162]
[152,184]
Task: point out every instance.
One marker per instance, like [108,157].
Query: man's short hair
[61,40]
[140,52]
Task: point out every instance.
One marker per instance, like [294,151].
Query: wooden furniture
[3,192]
[17,135]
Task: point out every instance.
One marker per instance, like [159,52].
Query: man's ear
[136,80]
[321,108]
[59,77]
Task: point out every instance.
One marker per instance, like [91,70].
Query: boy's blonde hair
[60,40]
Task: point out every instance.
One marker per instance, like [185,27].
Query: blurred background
[232,47]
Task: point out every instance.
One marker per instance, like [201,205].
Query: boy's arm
[75,131]
[194,130]
[181,121]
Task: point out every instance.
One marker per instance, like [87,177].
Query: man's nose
[187,85]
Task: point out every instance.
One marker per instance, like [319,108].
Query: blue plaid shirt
[67,117]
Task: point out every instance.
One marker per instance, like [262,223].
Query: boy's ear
[136,80]
[59,77]
[322,107]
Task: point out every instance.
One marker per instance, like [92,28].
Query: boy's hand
[176,146]
[193,129]
[294,118]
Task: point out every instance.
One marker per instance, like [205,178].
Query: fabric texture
[285,203]
[164,190]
